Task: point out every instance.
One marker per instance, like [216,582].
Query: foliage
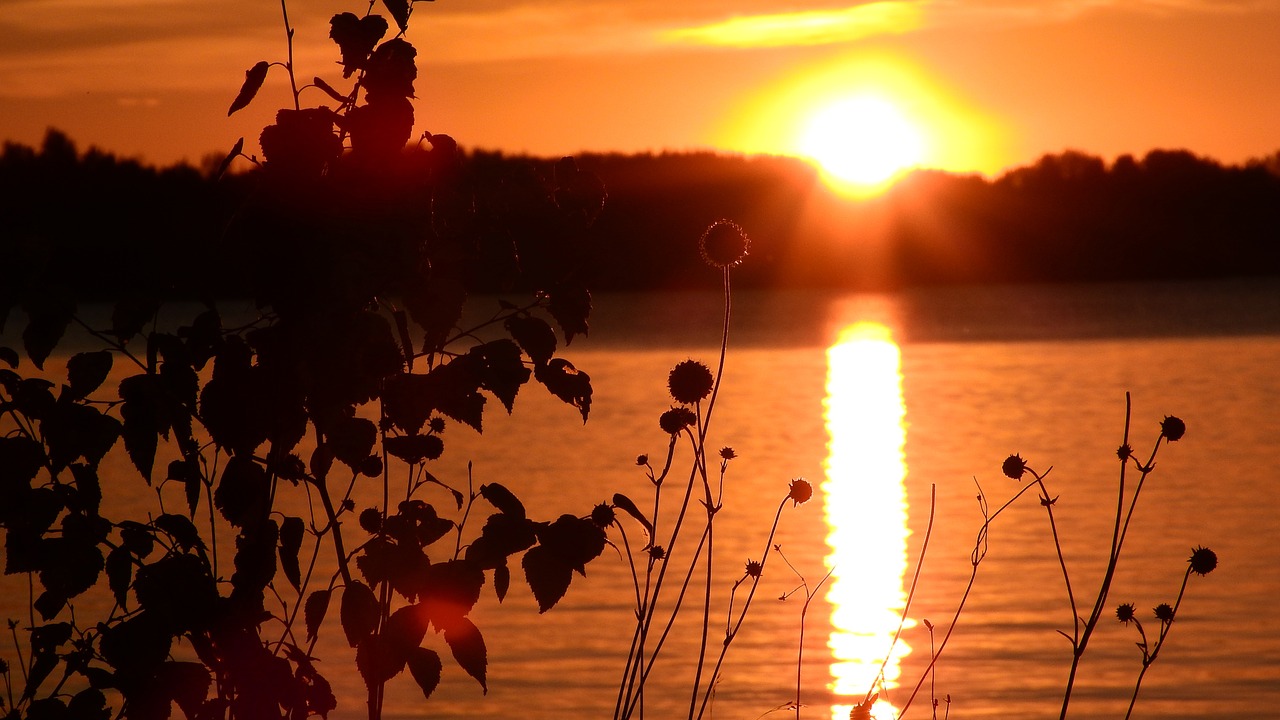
[259,436]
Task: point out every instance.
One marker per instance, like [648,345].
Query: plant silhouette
[347,374]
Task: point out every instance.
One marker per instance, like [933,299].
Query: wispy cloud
[809,27]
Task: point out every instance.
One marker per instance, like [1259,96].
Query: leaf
[253,78]
[399,10]
[501,581]
[313,612]
[451,589]
[548,576]
[571,306]
[378,658]
[187,472]
[356,37]
[231,156]
[329,90]
[180,529]
[243,494]
[567,383]
[574,540]
[119,569]
[9,356]
[501,370]
[89,704]
[467,645]
[145,418]
[290,543]
[414,448]
[425,667]
[187,683]
[49,314]
[131,314]
[534,335]
[503,499]
[352,440]
[626,505]
[359,612]
[87,370]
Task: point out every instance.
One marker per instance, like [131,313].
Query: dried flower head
[676,419]
[1014,466]
[754,569]
[436,424]
[1164,612]
[1124,452]
[602,515]
[690,381]
[727,453]
[1125,613]
[724,244]
[800,491]
[1203,561]
[642,460]
[1172,428]
[657,553]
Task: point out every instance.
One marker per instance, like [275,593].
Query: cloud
[807,27]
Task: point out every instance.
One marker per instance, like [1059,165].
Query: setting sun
[862,142]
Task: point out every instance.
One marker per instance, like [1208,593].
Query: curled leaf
[253,78]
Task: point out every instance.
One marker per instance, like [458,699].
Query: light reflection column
[866,512]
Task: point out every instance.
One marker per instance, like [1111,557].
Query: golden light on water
[866,513]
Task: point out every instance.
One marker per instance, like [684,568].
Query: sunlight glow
[870,105]
[866,512]
[812,27]
[862,141]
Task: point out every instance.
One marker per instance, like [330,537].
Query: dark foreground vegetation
[1068,217]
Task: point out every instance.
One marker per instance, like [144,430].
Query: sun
[861,143]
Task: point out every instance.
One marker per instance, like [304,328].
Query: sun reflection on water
[866,513]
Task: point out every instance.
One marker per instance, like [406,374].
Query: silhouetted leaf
[255,559]
[534,335]
[253,78]
[567,383]
[243,494]
[352,440]
[406,627]
[49,314]
[571,306]
[180,529]
[73,430]
[379,658]
[187,472]
[329,89]
[231,156]
[414,448]
[89,704]
[501,581]
[187,683]
[425,667]
[356,37]
[119,569]
[450,590]
[548,576]
[88,489]
[291,530]
[77,566]
[131,314]
[136,645]
[391,70]
[436,306]
[313,612]
[467,645]
[626,505]
[503,499]
[50,708]
[399,10]
[501,370]
[503,535]
[178,591]
[573,540]
[87,370]
[359,612]
[145,418]
[9,356]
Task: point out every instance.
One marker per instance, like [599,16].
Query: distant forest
[102,224]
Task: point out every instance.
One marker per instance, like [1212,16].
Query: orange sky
[996,82]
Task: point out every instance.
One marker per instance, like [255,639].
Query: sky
[986,84]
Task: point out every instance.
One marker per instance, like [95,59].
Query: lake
[884,402]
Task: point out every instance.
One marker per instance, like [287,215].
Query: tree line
[101,222]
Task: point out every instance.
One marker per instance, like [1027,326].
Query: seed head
[690,381]
[602,515]
[800,491]
[1203,561]
[1164,612]
[676,419]
[1124,452]
[1172,428]
[642,460]
[724,244]
[754,568]
[1125,613]
[727,453]
[657,553]
[1014,466]
[436,424]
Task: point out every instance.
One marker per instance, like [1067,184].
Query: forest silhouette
[1069,217]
